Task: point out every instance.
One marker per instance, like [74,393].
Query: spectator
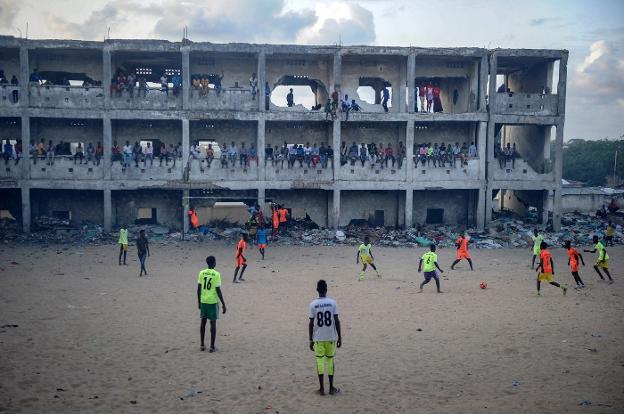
[386,97]
[329,110]
[429,97]
[510,155]
[224,156]
[372,154]
[137,153]
[307,154]
[15,93]
[99,153]
[7,152]
[343,153]
[116,153]
[79,154]
[300,155]
[437,102]
[422,94]
[41,150]
[330,156]
[430,158]
[253,154]
[176,80]
[194,152]
[148,153]
[233,154]
[268,155]
[90,150]
[32,151]
[243,156]
[334,102]
[267,95]
[436,155]
[283,154]
[142,86]
[290,99]
[164,84]
[253,84]
[17,154]
[456,154]
[292,155]
[422,152]
[127,154]
[209,155]
[354,106]
[216,81]
[353,153]
[35,77]
[316,155]
[381,155]
[463,152]
[363,154]
[323,155]
[389,155]
[131,80]
[50,151]
[401,153]
[346,107]
[472,150]
[163,155]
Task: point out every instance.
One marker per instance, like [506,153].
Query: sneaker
[539,294]
[379,275]
[565,290]
[611,282]
[361,278]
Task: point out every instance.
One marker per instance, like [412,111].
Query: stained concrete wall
[454,74]
[531,79]
[363,132]
[298,133]
[168,203]
[316,203]
[584,200]
[85,205]
[88,62]
[224,132]
[169,132]
[318,68]
[448,133]
[459,205]
[234,68]
[75,97]
[10,63]
[61,129]
[531,142]
[10,128]
[384,67]
[362,205]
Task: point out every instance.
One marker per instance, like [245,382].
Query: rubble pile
[505,231]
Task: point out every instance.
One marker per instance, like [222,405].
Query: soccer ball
[483,284]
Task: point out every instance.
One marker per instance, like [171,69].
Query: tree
[592,161]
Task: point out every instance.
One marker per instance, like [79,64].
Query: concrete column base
[336,210]
[409,208]
[26,215]
[108,208]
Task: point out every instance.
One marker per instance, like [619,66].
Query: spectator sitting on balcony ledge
[224,156]
[142,87]
[32,151]
[127,155]
[307,154]
[164,155]
[233,154]
[90,150]
[116,153]
[137,153]
[283,154]
[401,153]
[268,155]
[209,155]
[148,152]
[353,153]
[329,111]
[7,152]
[363,154]
[176,80]
[330,156]
[381,155]
[79,154]
[300,155]
[130,80]
[316,155]
[390,155]
[194,152]
[164,84]
[15,93]
[99,153]
[35,77]
[243,156]
[472,150]
[253,155]
[290,99]
[372,154]
[50,153]
[354,106]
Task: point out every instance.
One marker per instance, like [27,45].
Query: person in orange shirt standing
[193,218]
[545,272]
[462,251]
[573,260]
[275,220]
[239,260]
[283,218]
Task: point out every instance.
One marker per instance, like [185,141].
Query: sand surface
[95,338]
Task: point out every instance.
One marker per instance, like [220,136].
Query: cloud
[599,78]
[356,26]
[234,21]
[8,10]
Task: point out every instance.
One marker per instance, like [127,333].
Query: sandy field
[92,337]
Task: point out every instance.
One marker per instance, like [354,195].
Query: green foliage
[592,161]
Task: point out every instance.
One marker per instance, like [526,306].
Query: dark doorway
[379,218]
[435,215]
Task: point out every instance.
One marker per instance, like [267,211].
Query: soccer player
[462,251]
[609,234]
[573,262]
[123,243]
[430,260]
[143,251]
[602,261]
[545,270]
[262,240]
[365,254]
[325,336]
[283,218]
[537,242]
[275,218]
[208,291]
[240,259]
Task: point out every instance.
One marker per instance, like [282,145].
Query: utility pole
[614,168]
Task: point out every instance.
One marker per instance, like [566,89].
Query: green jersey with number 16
[209,280]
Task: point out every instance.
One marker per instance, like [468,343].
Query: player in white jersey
[325,336]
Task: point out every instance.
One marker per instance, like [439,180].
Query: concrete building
[80,107]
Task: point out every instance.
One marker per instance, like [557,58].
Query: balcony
[147,171]
[299,173]
[8,170]
[152,98]
[372,172]
[527,104]
[66,97]
[199,171]
[7,99]
[522,171]
[64,168]
[469,171]
[237,99]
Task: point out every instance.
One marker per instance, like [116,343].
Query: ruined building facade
[529,115]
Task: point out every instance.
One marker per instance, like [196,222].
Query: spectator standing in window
[345,105]
[217,82]
[267,95]
[148,153]
[422,94]
[386,97]
[79,154]
[99,153]
[437,102]
[290,99]
[176,79]
[328,110]
[15,93]
[472,150]
[90,153]
[209,155]
[142,86]
[164,84]
[253,84]
[429,97]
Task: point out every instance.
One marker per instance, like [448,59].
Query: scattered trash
[9,326]
[340,235]
[191,393]
[592,349]
[515,383]
[596,335]
[585,402]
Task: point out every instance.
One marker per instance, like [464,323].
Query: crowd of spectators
[123,82]
[505,155]
[310,155]
[375,154]
[136,154]
[4,82]
[440,155]
[12,151]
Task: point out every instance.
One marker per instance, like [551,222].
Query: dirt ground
[93,337]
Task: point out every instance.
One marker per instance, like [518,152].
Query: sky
[592,30]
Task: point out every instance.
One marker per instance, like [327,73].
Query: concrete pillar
[261,80]
[26,163]
[23,78]
[409,153]
[483,83]
[26,209]
[401,105]
[186,76]
[260,144]
[558,167]
[491,139]
[337,72]
[411,82]
[336,145]
[108,208]
[409,207]
[482,129]
[107,142]
[185,209]
[336,209]
[488,205]
[544,207]
[185,141]
[261,197]
[107,74]
[481,193]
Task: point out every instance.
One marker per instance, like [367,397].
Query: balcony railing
[68,97]
[65,167]
[521,170]
[150,98]
[511,103]
[8,97]
[236,99]
[169,169]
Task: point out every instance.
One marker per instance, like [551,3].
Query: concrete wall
[169,132]
[316,68]
[362,205]
[386,68]
[61,129]
[224,131]
[234,68]
[316,203]
[529,80]
[77,61]
[447,132]
[75,97]
[298,133]
[363,132]
[10,63]
[459,205]
[530,141]
[85,205]
[527,103]
[167,202]
[584,200]
[455,74]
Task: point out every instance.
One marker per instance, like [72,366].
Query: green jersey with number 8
[209,280]
[429,260]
